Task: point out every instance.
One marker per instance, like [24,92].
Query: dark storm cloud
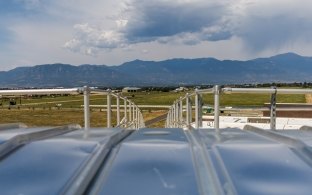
[259,25]
[260,32]
[149,20]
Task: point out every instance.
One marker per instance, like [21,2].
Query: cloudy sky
[115,31]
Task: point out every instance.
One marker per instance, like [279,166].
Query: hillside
[287,67]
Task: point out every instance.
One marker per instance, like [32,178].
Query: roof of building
[131,88]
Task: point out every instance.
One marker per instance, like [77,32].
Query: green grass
[258,100]
[40,117]
[43,112]
[156,98]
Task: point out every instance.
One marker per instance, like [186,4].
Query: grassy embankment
[44,112]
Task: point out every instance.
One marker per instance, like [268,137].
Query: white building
[130,89]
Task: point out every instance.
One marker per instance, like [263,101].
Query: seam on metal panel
[11,126]
[297,146]
[204,170]
[104,171]
[81,181]
[228,185]
[13,143]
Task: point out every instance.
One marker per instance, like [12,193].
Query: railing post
[216,107]
[133,116]
[118,109]
[86,98]
[196,109]
[171,116]
[187,110]
[142,121]
[137,117]
[125,111]
[177,113]
[109,110]
[191,110]
[273,110]
[181,111]
[168,119]
[130,112]
[200,113]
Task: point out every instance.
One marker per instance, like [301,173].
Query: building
[180,89]
[130,90]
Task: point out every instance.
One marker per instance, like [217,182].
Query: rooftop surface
[260,122]
[64,160]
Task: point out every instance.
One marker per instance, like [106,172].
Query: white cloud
[109,31]
[89,40]
[260,24]
[163,21]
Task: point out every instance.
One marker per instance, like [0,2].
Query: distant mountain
[287,67]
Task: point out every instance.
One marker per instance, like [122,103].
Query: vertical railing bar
[130,112]
[181,111]
[216,107]
[133,110]
[177,113]
[200,110]
[118,108]
[109,110]
[125,111]
[174,114]
[137,117]
[133,116]
[196,109]
[273,110]
[86,95]
[191,111]
[187,110]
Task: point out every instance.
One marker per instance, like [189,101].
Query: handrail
[266,91]
[132,118]
[40,91]
[177,119]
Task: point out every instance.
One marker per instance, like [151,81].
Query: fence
[128,115]
[177,118]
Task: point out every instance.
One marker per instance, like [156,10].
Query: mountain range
[288,67]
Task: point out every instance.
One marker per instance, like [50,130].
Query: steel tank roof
[61,160]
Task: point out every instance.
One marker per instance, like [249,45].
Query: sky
[112,32]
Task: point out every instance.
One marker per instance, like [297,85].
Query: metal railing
[128,115]
[181,112]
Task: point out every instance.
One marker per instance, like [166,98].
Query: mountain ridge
[288,67]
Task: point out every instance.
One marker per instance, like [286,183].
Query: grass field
[60,110]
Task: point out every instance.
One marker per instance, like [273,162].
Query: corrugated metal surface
[154,161]
[60,164]
[251,163]
[150,161]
